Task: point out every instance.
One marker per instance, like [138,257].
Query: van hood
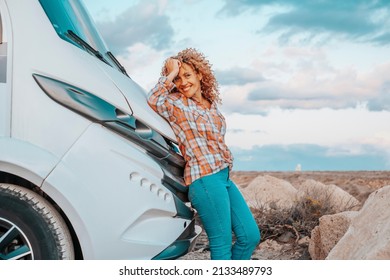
[136,98]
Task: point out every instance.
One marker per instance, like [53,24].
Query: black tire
[30,227]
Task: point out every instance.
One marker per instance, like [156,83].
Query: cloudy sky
[302,82]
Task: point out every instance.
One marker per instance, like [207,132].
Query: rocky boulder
[368,236]
[270,193]
[331,196]
[330,230]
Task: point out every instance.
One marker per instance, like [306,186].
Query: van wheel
[31,228]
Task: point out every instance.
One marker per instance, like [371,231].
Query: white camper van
[87,169]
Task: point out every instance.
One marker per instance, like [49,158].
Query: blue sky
[302,82]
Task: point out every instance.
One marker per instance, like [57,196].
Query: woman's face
[188,82]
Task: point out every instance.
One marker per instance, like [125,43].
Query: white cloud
[238,76]
[324,21]
[311,84]
[145,22]
[326,127]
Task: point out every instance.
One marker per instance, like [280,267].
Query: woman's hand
[173,66]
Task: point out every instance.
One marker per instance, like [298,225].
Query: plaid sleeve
[158,97]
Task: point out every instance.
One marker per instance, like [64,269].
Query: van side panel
[119,190]
[37,49]
[25,160]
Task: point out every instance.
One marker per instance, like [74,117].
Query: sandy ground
[358,183]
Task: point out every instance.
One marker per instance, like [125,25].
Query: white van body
[78,138]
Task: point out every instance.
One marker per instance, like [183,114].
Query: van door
[5,88]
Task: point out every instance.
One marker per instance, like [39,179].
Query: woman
[186,96]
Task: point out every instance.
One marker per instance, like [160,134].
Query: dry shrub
[300,219]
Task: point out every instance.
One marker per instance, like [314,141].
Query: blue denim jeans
[222,209]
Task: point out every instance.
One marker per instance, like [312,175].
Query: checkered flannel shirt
[200,131]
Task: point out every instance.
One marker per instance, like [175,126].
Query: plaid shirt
[200,131]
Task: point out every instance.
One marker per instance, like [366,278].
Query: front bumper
[183,245]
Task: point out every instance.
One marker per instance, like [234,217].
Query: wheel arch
[27,165]
[9,178]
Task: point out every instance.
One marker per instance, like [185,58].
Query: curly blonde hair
[198,62]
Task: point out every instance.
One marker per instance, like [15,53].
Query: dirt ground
[358,183]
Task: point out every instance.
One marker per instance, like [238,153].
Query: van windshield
[71,20]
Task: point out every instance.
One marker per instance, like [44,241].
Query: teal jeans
[223,210]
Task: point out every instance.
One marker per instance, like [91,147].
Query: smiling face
[188,82]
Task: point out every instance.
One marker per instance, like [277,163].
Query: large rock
[329,231]
[270,193]
[331,196]
[368,236]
